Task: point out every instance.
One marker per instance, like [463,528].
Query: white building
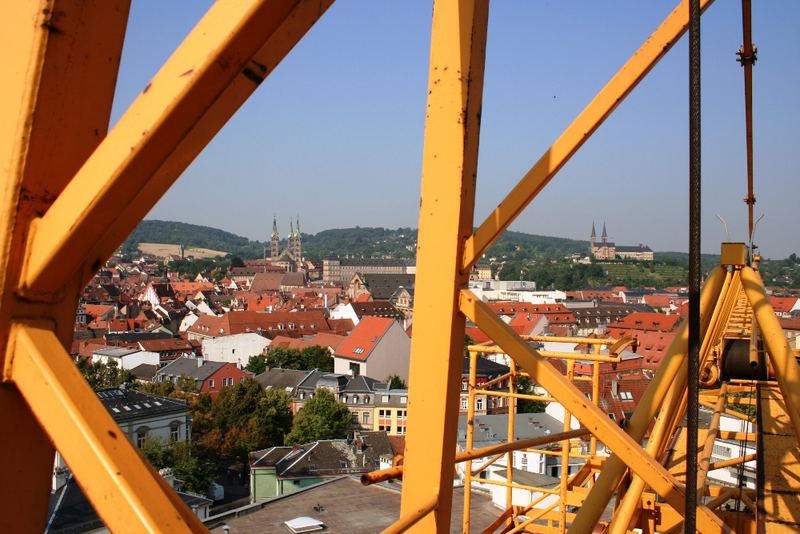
[236,349]
[344,311]
[377,347]
[514,291]
[125,358]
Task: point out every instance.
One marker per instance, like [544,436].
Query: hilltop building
[608,250]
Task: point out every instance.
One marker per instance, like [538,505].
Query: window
[365,418]
[401,414]
[358,350]
[141,435]
[463,403]
[479,404]
[403,400]
[366,399]
[174,431]
[385,428]
[612,417]
[464,385]
[382,413]
[721,451]
[355,369]
[211,383]
[625,395]
[384,398]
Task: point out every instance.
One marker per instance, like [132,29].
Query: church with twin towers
[608,250]
[292,253]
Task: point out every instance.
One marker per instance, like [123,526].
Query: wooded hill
[358,241]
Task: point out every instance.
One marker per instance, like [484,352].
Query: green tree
[241,419]
[196,475]
[100,375]
[162,389]
[322,417]
[256,364]
[314,357]
[284,358]
[525,386]
[395,382]
[317,357]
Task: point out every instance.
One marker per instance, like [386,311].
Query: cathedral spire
[274,227]
[605,234]
[594,233]
[298,226]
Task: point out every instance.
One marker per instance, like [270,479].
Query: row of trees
[315,357]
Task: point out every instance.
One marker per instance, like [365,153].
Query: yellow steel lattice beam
[59,72]
[449,166]
[127,493]
[584,125]
[115,187]
[55,113]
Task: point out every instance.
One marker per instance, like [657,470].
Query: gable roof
[277,378]
[382,286]
[191,368]
[364,338]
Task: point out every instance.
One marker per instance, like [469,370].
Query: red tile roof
[97,310]
[190,288]
[364,338]
[658,301]
[294,343]
[325,339]
[291,324]
[782,304]
[524,323]
[792,323]
[658,322]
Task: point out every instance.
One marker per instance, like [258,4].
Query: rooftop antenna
[725,225]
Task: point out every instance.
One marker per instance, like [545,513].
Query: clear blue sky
[335,133]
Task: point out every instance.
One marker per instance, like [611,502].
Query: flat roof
[346,506]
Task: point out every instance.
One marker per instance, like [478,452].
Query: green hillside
[358,241]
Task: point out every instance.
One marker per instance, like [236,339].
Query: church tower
[592,240]
[296,248]
[275,240]
[604,237]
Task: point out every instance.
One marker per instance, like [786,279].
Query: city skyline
[363,71]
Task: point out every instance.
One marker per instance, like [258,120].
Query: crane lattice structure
[72,191]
